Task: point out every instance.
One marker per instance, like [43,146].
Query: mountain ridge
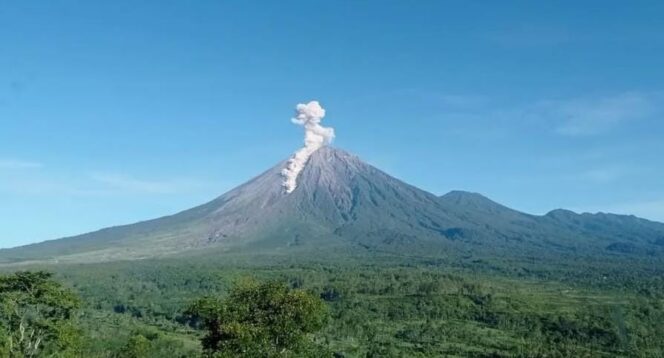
[342,201]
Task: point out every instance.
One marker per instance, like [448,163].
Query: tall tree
[261,320]
[37,316]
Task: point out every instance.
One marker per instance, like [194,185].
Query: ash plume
[315,136]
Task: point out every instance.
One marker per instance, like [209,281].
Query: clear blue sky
[117,111]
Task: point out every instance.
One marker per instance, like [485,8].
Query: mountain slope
[340,201]
[617,233]
[337,196]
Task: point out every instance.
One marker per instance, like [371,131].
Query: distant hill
[342,203]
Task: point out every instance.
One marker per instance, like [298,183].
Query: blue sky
[117,111]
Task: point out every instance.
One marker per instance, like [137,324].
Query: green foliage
[137,347]
[37,316]
[260,320]
[385,306]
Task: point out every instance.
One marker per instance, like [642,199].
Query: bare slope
[340,201]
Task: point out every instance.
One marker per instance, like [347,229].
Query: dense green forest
[382,306]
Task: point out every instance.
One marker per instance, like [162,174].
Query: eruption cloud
[315,136]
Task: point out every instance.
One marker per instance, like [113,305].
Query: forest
[385,306]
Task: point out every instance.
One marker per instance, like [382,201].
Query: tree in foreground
[36,316]
[261,320]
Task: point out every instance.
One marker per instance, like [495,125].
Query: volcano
[342,202]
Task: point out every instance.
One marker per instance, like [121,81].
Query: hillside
[344,203]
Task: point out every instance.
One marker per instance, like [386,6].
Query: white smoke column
[315,136]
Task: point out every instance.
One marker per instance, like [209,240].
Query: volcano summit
[343,203]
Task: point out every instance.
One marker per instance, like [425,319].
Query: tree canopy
[260,320]
[37,316]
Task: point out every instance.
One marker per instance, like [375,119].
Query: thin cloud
[569,117]
[18,164]
[94,184]
[587,117]
[127,183]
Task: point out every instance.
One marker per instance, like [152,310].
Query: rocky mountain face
[341,201]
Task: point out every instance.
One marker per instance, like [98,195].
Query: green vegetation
[377,306]
[260,320]
[37,317]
